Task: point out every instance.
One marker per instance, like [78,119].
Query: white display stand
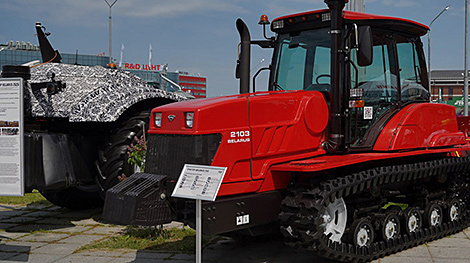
[11,137]
[199,182]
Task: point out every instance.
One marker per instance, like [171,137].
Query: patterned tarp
[92,94]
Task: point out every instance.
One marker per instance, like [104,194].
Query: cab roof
[318,17]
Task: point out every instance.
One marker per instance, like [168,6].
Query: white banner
[11,137]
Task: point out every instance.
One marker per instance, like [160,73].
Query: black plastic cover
[13,71]
[138,201]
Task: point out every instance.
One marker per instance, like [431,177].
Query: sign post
[198,231]
[11,137]
[199,182]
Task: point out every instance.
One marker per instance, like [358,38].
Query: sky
[199,36]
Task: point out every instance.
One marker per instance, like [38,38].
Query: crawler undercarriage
[373,213]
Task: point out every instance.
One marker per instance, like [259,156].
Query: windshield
[303,61]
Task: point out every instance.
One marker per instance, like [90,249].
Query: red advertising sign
[143,67]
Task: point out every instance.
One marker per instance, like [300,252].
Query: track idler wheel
[413,220]
[362,232]
[390,226]
[335,218]
[433,214]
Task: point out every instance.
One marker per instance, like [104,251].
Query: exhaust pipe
[336,137]
[243,66]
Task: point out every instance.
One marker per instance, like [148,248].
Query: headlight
[188,116]
[158,119]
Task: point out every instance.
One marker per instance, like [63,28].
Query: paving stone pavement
[62,232]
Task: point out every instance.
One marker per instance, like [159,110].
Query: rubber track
[303,229]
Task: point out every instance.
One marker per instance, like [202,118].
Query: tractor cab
[382,67]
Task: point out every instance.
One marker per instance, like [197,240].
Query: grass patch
[34,198]
[143,238]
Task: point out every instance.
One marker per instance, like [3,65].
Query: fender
[423,125]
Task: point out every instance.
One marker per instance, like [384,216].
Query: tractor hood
[210,115]
[305,111]
[245,133]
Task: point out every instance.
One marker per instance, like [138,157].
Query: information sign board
[11,137]
[199,182]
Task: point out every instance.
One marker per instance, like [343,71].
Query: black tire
[112,158]
[75,198]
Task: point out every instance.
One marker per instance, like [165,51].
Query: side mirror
[365,43]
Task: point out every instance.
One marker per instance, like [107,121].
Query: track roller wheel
[390,226]
[453,210]
[362,232]
[433,214]
[413,221]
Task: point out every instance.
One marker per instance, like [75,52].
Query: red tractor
[344,153]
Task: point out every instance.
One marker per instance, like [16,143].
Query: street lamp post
[429,46]
[465,76]
[110,6]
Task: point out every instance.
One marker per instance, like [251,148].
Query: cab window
[411,77]
[303,61]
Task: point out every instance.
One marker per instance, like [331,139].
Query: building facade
[17,53]
[447,86]
[194,85]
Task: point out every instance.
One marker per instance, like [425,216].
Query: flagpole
[122,55]
[150,55]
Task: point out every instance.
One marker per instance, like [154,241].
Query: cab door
[373,96]
[396,78]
